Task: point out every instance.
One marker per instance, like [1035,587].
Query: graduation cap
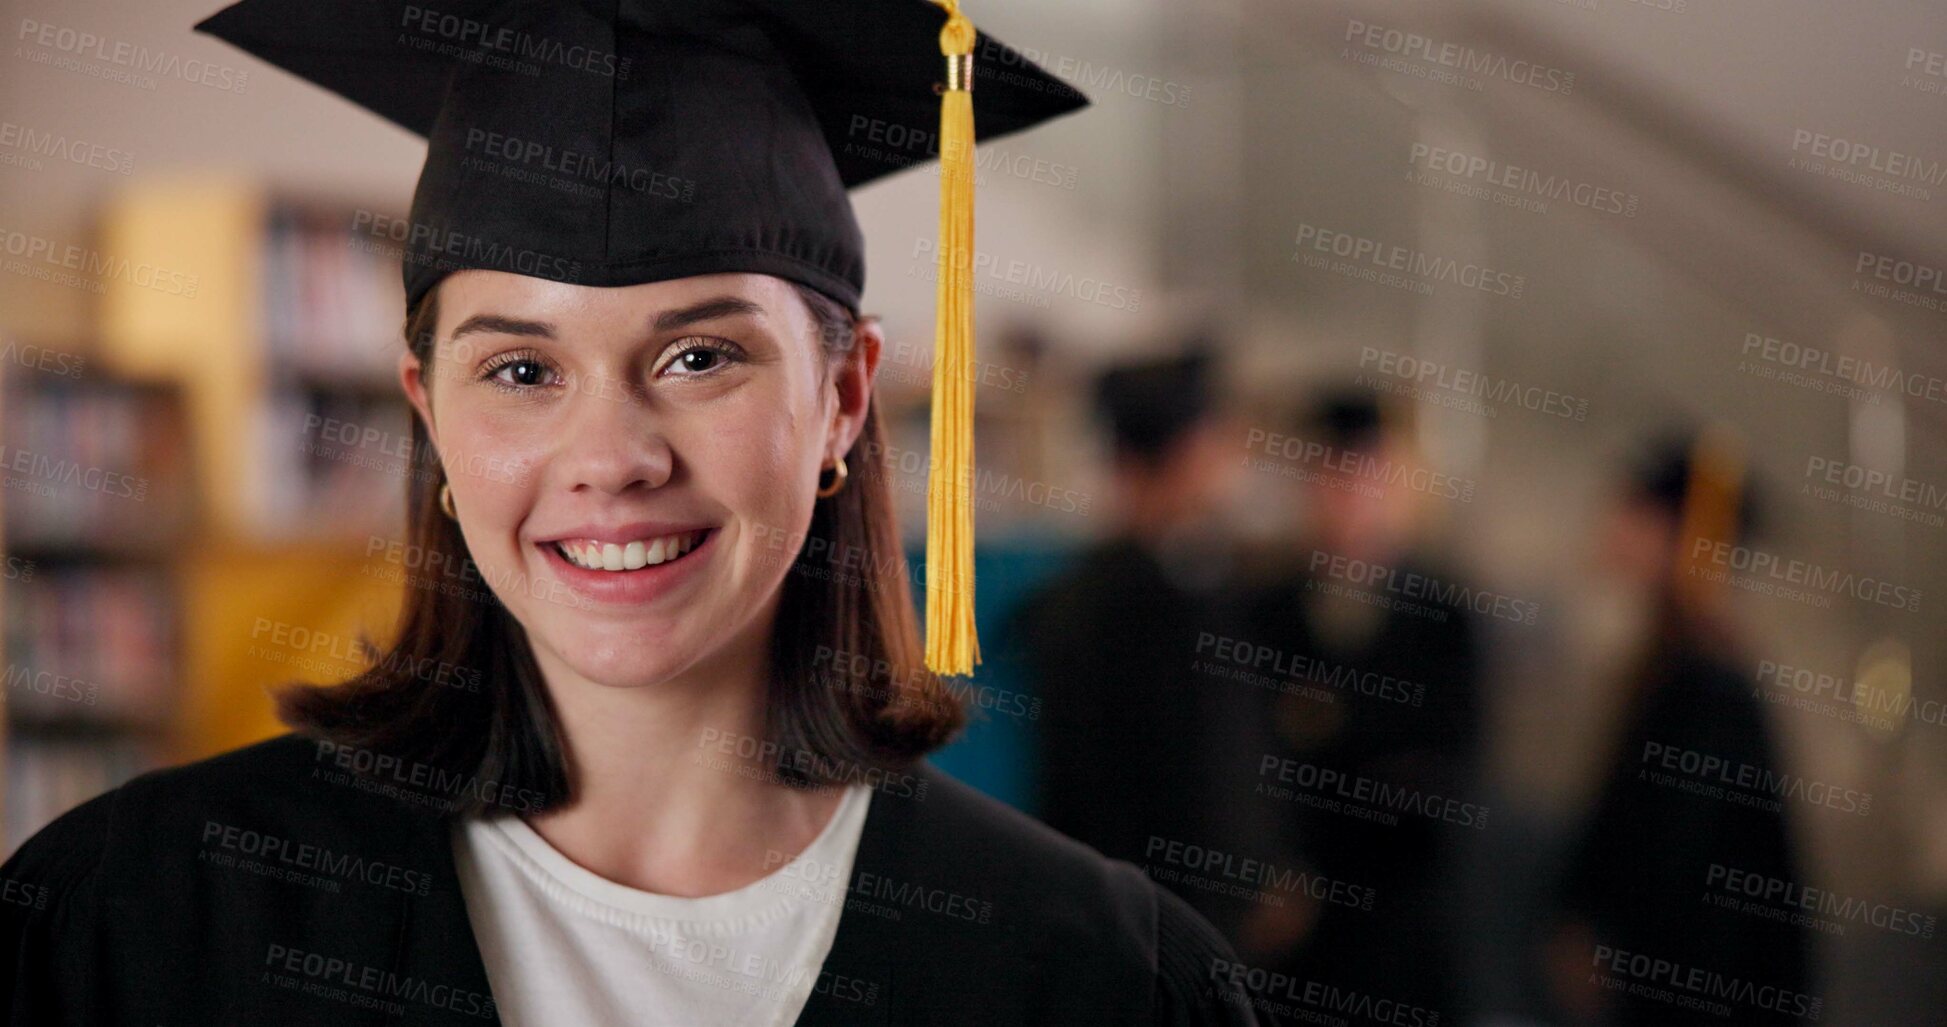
[1151,404]
[616,142]
[1347,417]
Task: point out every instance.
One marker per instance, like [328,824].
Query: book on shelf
[98,501]
[332,298]
[93,463]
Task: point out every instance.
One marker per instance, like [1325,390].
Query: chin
[620,655]
[625,670]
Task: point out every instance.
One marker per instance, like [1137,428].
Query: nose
[611,440]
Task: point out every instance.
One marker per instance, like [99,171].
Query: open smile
[631,572]
[590,554]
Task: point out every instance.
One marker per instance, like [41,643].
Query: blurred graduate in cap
[690,786]
[1134,746]
[1388,697]
[1641,876]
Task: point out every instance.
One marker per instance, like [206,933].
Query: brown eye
[525,372]
[701,357]
[518,373]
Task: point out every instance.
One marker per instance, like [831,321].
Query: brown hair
[850,698]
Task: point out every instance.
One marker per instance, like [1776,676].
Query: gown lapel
[436,943]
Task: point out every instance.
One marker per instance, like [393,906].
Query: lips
[626,586]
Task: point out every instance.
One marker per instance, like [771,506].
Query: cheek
[490,466]
[758,460]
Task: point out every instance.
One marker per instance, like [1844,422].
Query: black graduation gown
[1135,745]
[135,909]
[1407,945]
[1641,872]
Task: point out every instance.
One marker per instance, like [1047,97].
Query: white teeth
[635,555]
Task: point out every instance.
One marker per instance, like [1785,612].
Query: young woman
[646,748]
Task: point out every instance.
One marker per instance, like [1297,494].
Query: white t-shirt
[563,945]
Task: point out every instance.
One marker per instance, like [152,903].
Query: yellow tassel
[951,644]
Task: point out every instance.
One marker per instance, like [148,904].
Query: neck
[670,795]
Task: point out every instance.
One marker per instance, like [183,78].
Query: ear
[852,380]
[412,378]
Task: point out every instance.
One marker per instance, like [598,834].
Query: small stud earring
[446,501]
[839,474]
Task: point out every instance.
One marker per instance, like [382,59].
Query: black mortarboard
[1346,418]
[616,142]
[1150,405]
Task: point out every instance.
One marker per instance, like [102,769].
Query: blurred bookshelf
[99,497]
[254,405]
[288,352]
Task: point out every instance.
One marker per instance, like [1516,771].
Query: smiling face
[627,463]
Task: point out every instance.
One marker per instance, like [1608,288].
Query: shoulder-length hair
[850,697]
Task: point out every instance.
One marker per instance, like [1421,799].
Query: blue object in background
[996,751]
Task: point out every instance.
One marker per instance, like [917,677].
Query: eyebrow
[708,310]
[497,324]
[667,321]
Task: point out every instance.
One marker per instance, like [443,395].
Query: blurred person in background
[1131,740]
[1391,707]
[1640,878]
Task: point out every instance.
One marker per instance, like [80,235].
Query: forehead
[567,305]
